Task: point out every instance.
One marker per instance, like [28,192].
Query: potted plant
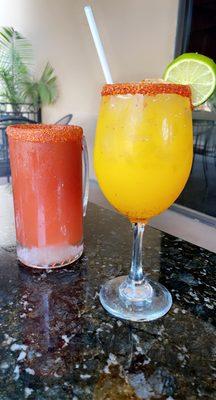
[21,94]
[19,89]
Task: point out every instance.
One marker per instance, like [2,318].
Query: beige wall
[138,36]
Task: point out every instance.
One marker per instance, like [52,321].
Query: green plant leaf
[47,85]
[16,82]
[15,59]
[15,50]
[30,91]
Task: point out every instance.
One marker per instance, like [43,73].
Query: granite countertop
[57,342]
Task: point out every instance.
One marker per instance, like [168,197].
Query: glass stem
[136,273]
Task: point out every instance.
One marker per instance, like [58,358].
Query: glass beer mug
[49,200]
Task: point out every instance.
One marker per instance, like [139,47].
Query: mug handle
[86,175]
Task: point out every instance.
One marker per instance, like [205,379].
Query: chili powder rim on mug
[44,133]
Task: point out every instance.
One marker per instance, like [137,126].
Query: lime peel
[195,70]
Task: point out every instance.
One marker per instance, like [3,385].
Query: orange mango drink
[46,166]
[143,147]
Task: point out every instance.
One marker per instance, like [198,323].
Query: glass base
[49,257]
[153,301]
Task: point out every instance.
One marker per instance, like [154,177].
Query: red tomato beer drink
[46,168]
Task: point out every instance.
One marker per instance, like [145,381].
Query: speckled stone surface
[57,342]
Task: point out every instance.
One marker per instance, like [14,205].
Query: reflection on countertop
[57,342]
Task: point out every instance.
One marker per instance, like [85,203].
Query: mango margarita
[144,145]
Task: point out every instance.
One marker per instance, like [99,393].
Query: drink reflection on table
[52,306]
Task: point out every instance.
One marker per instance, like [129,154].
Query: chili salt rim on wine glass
[44,133]
[146,87]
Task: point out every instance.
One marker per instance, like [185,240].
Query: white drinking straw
[98,44]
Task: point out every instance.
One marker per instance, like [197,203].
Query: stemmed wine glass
[143,156]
